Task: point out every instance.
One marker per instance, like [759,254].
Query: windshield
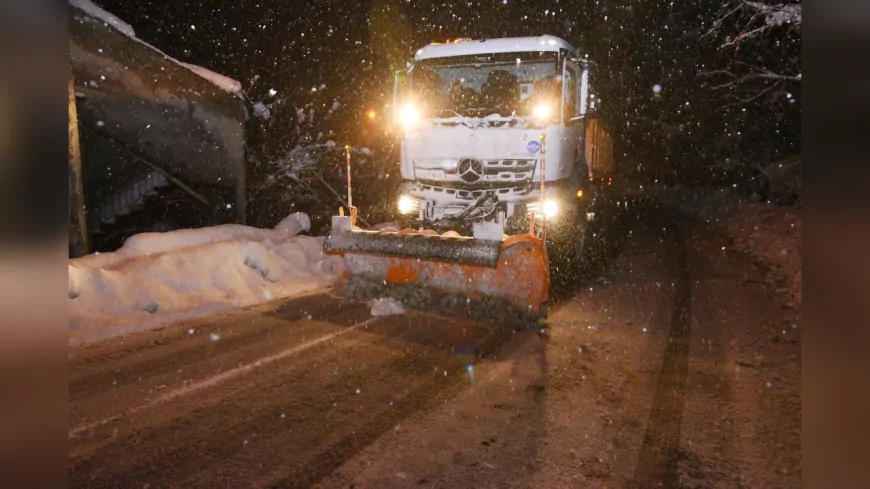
[481,85]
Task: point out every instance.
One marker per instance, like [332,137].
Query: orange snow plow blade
[506,279]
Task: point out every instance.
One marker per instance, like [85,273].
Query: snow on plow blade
[495,279]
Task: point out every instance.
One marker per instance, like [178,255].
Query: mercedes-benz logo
[470,170]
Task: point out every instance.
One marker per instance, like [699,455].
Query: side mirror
[584,91]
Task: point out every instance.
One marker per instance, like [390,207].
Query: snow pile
[260,110]
[156,278]
[386,307]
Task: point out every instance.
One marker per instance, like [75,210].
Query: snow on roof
[93,9]
[464,47]
[224,82]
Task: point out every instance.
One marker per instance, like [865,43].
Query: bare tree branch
[750,98]
[756,73]
[758,76]
[774,15]
[743,35]
[717,24]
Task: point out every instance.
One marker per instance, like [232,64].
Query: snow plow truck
[503,167]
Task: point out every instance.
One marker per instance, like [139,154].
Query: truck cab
[484,121]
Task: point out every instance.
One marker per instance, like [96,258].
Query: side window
[570,93]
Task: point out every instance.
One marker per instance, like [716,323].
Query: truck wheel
[566,251]
[580,250]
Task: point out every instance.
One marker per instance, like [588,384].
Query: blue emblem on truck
[533,146]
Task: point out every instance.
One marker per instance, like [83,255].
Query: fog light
[551,208]
[408,204]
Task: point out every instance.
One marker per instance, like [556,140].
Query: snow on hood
[224,82]
[493,120]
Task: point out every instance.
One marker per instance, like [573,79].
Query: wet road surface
[675,366]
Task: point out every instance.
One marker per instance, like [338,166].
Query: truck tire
[566,251]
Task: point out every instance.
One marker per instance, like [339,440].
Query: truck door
[573,120]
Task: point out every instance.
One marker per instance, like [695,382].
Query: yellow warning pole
[349,195]
[543,188]
[350,206]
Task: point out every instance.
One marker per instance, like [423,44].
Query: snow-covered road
[678,367]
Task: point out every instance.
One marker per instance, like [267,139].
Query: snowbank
[157,278]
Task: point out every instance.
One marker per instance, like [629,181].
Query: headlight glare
[409,115]
[408,204]
[551,208]
[542,111]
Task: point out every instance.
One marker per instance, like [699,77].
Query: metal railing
[138,179]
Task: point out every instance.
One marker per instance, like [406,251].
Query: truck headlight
[551,208]
[542,111]
[408,204]
[409,115]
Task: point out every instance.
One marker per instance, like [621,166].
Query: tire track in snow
[659,454]
[219,378]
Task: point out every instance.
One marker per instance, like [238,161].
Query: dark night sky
[350,46]
[298,44]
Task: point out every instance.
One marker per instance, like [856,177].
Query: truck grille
[475,172]
[473,194]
